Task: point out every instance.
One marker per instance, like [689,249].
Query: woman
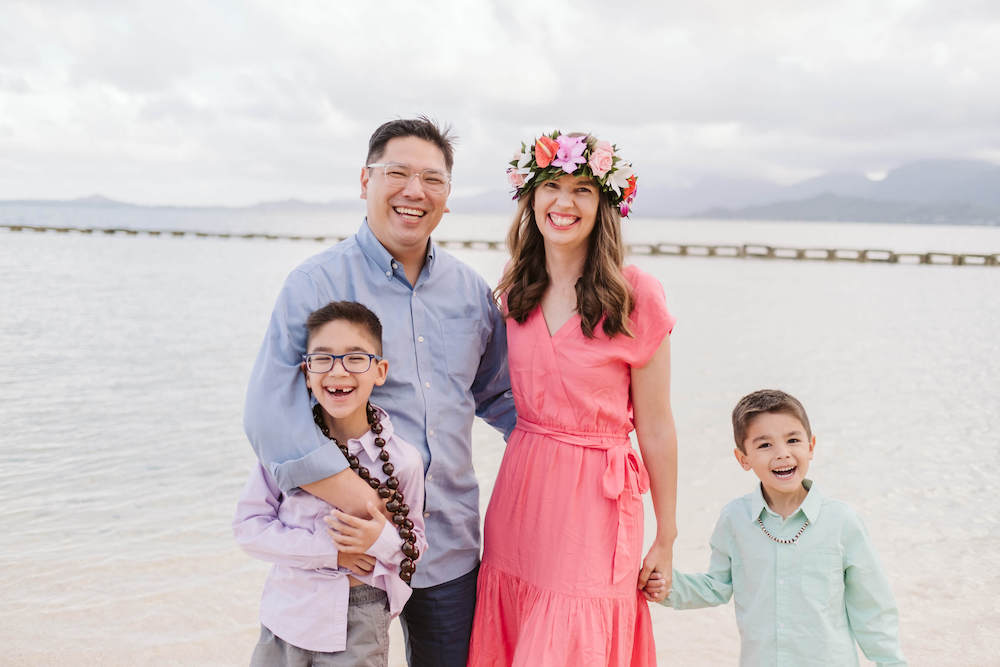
[589,360]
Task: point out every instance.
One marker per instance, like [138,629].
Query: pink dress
[563,537]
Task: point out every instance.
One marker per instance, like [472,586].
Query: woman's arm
[654,427]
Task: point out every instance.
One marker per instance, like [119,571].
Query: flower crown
[556,154]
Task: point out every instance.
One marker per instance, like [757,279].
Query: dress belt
[624,467]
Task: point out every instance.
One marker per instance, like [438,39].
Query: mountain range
[925,191]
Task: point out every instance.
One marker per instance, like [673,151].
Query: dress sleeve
[650,320]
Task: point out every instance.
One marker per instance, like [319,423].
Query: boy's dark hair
[766,400]
[421,127]
[349,311]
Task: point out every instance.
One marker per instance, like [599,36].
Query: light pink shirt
[305,596]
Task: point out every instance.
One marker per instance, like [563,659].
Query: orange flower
[545,151]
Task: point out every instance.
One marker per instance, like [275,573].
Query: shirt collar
[366,442]
[373,248]
[810,506]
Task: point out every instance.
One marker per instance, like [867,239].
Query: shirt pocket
[823,578]
[464,344]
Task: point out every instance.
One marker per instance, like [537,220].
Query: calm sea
[123,363]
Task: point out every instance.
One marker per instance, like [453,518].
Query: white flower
[618,179]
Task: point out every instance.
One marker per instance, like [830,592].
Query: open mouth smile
[562,221]
[409,212]
[784,473]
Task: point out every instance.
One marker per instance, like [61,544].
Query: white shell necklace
[783,540]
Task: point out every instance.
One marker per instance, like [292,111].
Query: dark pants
[437,623]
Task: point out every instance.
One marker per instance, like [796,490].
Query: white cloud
[233,102]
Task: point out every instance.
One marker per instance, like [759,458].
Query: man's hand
[353,535]
[357,563]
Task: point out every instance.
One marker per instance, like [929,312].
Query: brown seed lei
[387,490]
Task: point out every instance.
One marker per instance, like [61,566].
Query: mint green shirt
[797,604]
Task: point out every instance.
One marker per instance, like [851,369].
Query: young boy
[803,571]
[334,591]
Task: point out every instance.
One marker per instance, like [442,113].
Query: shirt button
[426,514]
[429,478]
[430,432]
[420,339]
[427,384]
[395,266]
[389,273]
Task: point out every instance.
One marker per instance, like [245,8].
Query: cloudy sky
[237,102]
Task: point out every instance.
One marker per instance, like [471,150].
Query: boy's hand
[656,588]
[357,563]
[353,535]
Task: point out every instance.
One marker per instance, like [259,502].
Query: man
[446,345]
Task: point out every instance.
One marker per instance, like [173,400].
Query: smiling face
[403,216]
[778,450]
[342,395]
[566,210]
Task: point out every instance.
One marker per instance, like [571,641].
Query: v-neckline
[545,322]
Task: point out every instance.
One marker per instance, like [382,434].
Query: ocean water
[123,364]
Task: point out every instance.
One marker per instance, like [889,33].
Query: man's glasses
[400,175]
[353,362]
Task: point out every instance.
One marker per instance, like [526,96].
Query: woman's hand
[657,587]
[660,559]
[353,535]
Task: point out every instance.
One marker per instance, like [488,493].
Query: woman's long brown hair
[601,291]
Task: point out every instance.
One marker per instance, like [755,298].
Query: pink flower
[570,153]
[601,158]
[515,178]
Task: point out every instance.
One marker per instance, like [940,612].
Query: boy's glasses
[353,362]
[399,176]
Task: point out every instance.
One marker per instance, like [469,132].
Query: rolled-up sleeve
[260,532]
[277,416]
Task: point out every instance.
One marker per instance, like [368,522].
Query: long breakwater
[731,251]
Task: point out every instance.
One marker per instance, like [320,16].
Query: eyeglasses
[353,362]
[400,175]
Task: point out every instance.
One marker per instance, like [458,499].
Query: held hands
[657,587]
[354,536]
[657,572]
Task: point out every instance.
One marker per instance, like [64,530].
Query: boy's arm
[491,388]
[260,532]
[278,417]
[871,608]
[715,587]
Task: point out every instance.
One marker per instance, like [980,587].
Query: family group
[383,349]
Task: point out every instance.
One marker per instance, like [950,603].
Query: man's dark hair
[421,127]
[349,311]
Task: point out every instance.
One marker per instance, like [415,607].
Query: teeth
[562,220]
[339,390]
[408,211]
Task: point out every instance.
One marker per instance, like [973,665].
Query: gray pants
[367,638]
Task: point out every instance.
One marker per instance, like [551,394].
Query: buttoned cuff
[326,553]
[387,547]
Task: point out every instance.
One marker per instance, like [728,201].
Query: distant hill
[938,191]
[834,208]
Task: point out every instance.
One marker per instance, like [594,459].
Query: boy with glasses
[448,346]
[333,592]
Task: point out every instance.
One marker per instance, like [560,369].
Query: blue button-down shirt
[446,344]
[798,604]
